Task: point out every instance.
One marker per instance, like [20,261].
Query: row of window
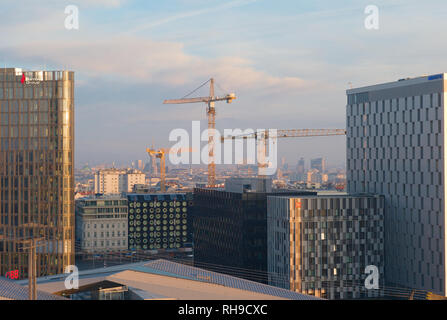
[101,226]
[23,106]
[103,243]
[106,234]
[35,91]
[360,104]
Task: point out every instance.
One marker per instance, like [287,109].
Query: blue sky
[289,63]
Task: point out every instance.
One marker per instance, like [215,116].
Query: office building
[301,170]
[230,230]
[114,181]
[139,165]
[396,147]
[159,221]
[318,164]
[322,244]
[101,223]
[36,169]
[314,176]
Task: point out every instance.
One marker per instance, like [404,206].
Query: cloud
[154,62]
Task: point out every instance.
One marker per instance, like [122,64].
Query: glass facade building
[321,245]
[230,230]
[36,169]
[396,147]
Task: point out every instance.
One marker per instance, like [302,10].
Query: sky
[289,63]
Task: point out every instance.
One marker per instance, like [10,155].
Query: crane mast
[211,113]
[161,154]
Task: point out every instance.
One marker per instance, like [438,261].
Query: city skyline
[277,70]
[152,135]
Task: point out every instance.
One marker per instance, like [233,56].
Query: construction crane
[211,112]
[161,154]
[292,133]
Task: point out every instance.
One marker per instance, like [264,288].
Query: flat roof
[334,195]
[162,279]
[399,83]
[12,290]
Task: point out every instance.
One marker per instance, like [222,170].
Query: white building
[114,181]
[101,223]
[395,147]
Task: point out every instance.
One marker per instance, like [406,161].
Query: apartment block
[115,181]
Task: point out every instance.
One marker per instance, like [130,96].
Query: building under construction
[230,227]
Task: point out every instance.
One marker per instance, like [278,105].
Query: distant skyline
[288,62]
[128,164]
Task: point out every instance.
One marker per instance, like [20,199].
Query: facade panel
[159,221]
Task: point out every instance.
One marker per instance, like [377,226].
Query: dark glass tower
[36,169]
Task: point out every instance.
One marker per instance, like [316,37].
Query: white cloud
[165,63]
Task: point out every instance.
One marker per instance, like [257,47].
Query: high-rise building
[301,170]
[322,244]
[396,147]
[318,164]
[230,228]
[138,164]
[101,223]
[36,169]
[314,176]
[114,181]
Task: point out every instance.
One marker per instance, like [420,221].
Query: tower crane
[161,154]
[211,112]
[291,133]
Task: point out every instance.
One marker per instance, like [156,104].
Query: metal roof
[177,270]
[197,274]
[12,290]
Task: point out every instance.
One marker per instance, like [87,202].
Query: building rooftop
[399,83]
[11,290]
[162,279]
[326,195]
